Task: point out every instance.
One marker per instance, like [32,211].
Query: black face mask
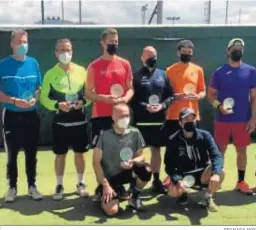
[236,55]
[189,126]
[112,49]
[185,58]
[151,62]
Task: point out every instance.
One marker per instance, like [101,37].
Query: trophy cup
[153,100]
[189,89]
[189,181]
[116,90]
[126,154]
[228,104]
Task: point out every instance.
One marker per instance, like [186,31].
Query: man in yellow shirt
[63,92]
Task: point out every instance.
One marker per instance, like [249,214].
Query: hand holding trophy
[116,92]
[72,100]
[228,105]
[126,154]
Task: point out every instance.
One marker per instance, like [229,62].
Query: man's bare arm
[139,156]
[212,95]
[202,94]
[6,99]
[253,103]
[97,157]
[130,92]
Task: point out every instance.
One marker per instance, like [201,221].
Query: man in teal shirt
[20,81]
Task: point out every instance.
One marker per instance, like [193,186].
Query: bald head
[149,52]
[120,110]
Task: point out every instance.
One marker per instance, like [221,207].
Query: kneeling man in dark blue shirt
[192,159]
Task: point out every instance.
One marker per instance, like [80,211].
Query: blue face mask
[22,50]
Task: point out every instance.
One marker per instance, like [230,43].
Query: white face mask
[123,122]
[65,58]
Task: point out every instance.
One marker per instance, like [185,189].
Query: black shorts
[74,136]
[172,126]
[153,135]
[97,125]
[143,172]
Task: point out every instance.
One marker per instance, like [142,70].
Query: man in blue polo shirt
[20,81]
[152,96]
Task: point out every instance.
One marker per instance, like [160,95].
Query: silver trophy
[189,89]
[126,154]
[154,100]
[116,90]
[27,95]
[189,181]
[228,104]
[72,99]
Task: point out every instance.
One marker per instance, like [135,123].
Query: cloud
[124,12]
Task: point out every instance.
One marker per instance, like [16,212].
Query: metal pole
[143,13]
[152,15]
[226,18]
[42,11]
[160,6]
[80,11]
[62,10]
[240,12]
[209,12]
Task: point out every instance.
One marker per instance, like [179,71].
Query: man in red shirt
[109,81]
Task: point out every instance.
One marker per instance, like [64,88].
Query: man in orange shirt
[187,80]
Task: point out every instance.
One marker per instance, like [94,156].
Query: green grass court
[236,209]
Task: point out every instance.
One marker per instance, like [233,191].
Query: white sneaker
[82,190]
[58,193]
[34,193]
[11,195]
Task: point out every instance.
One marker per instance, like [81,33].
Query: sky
[125,12]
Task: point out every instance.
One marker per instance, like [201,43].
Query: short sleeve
[39,76]
[100,141]
[139,140]
[129,71]
[214,81]
[201,83]
[253,79]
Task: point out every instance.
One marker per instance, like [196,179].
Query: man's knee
[60,157]
[241,150]
[143,172]
[111,208]
[206,175]
[79,156]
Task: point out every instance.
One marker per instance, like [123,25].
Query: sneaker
[243,187]
[158,187]
[183,199]
[82,190]
[123,194]
[167,182]
[210,205]
[34,193]
[58,192]
[136,204]
[11,195]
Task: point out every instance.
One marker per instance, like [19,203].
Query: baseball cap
[235,41]
[185,112]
